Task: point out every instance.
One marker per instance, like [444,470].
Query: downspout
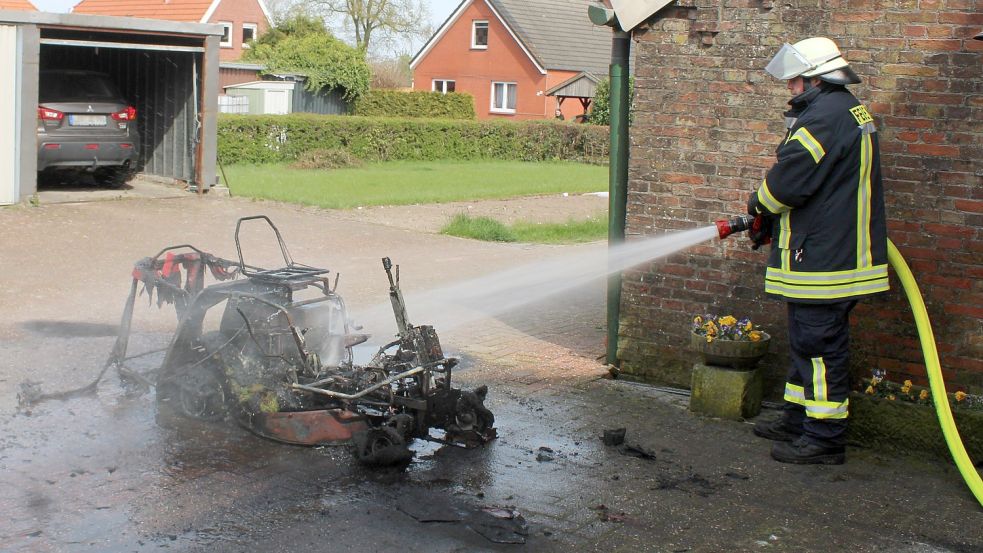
[617,177]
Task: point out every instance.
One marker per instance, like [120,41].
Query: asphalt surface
[99,473]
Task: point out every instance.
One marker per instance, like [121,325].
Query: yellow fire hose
[941,401]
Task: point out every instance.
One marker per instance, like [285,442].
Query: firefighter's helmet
[812,57]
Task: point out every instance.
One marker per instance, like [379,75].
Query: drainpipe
[617,177]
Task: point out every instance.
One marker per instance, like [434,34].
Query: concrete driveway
[97,473]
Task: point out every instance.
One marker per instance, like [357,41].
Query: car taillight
[47,114]
[128,114]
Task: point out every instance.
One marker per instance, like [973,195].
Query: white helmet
[812,57]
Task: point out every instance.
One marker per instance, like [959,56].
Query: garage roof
[195,11]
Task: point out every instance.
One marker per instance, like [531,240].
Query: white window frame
[506,109]
[231,28]
[443,90]
[474,34]
[255,28]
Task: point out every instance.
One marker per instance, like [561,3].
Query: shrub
[417,103]
[284,138]
[334,158]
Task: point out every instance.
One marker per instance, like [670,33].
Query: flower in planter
[726,327]
[923,395]
[960,396]
[906,387]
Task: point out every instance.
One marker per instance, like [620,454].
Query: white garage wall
[9,115]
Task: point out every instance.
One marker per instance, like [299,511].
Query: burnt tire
[201,395]
[382,446]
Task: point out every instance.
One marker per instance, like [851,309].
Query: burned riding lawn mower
[280,360]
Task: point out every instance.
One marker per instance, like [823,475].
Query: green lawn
[488,229]
[413,182]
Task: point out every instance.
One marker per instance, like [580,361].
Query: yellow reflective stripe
[827,409]
[810,143]
[826,292]
[822,278]
[795,394]
[819,389]
[768,200]
[865,257]
[785,230]
[786,256]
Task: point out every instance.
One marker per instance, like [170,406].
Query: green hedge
[396,103]
[282,138]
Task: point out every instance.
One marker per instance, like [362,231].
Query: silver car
[85,124]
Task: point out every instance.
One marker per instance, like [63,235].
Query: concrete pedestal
[725,393]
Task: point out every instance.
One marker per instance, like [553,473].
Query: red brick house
[244,20]
[520,59]
[17,5]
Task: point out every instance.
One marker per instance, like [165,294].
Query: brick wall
[708,119]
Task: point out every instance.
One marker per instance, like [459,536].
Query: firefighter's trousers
[818,383]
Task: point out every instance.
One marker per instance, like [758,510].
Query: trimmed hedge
[418,103]
[283,138]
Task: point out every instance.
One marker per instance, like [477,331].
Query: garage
[168,71]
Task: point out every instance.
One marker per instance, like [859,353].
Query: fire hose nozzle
[738,224]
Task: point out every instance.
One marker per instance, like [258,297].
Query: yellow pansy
[869,391]
[923,395]
[960,396]
[728,321]
[755,336]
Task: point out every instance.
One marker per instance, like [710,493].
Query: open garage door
[160,75]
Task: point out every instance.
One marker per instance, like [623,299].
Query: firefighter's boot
[805,452]
[778,430]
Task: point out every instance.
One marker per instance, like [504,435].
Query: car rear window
[75,87]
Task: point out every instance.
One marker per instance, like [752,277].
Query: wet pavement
[99,473]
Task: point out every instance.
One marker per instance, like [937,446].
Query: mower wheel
[382,446]
[201,395]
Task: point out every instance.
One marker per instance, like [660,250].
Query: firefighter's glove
[754,206]
[760,231]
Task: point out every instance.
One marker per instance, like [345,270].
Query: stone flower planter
[739,355]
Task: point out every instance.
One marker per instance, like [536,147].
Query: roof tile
[171,10]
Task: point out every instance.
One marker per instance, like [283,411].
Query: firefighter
[824,203]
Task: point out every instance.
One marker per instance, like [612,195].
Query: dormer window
[226,41]
[479,35]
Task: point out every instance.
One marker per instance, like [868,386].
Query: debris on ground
[614,437]
[637,450]
[544,455]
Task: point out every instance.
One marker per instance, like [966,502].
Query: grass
[413,182]
[486,228]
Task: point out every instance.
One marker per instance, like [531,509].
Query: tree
[302,45]
[600,111]
[390,18]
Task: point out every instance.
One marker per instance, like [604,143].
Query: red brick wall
[707,121]
[237,13]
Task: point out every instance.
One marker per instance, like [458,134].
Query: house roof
[197,11]
[559,33]
[22,5]
[555,34]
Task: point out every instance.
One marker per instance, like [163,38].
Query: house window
[443,86]
[226,41]
[503,97]
[248,33]
[479,35]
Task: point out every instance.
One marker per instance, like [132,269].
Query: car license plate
[87,120]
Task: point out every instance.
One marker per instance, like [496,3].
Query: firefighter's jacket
[826,200]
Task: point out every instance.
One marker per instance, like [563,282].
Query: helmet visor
[788,63]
